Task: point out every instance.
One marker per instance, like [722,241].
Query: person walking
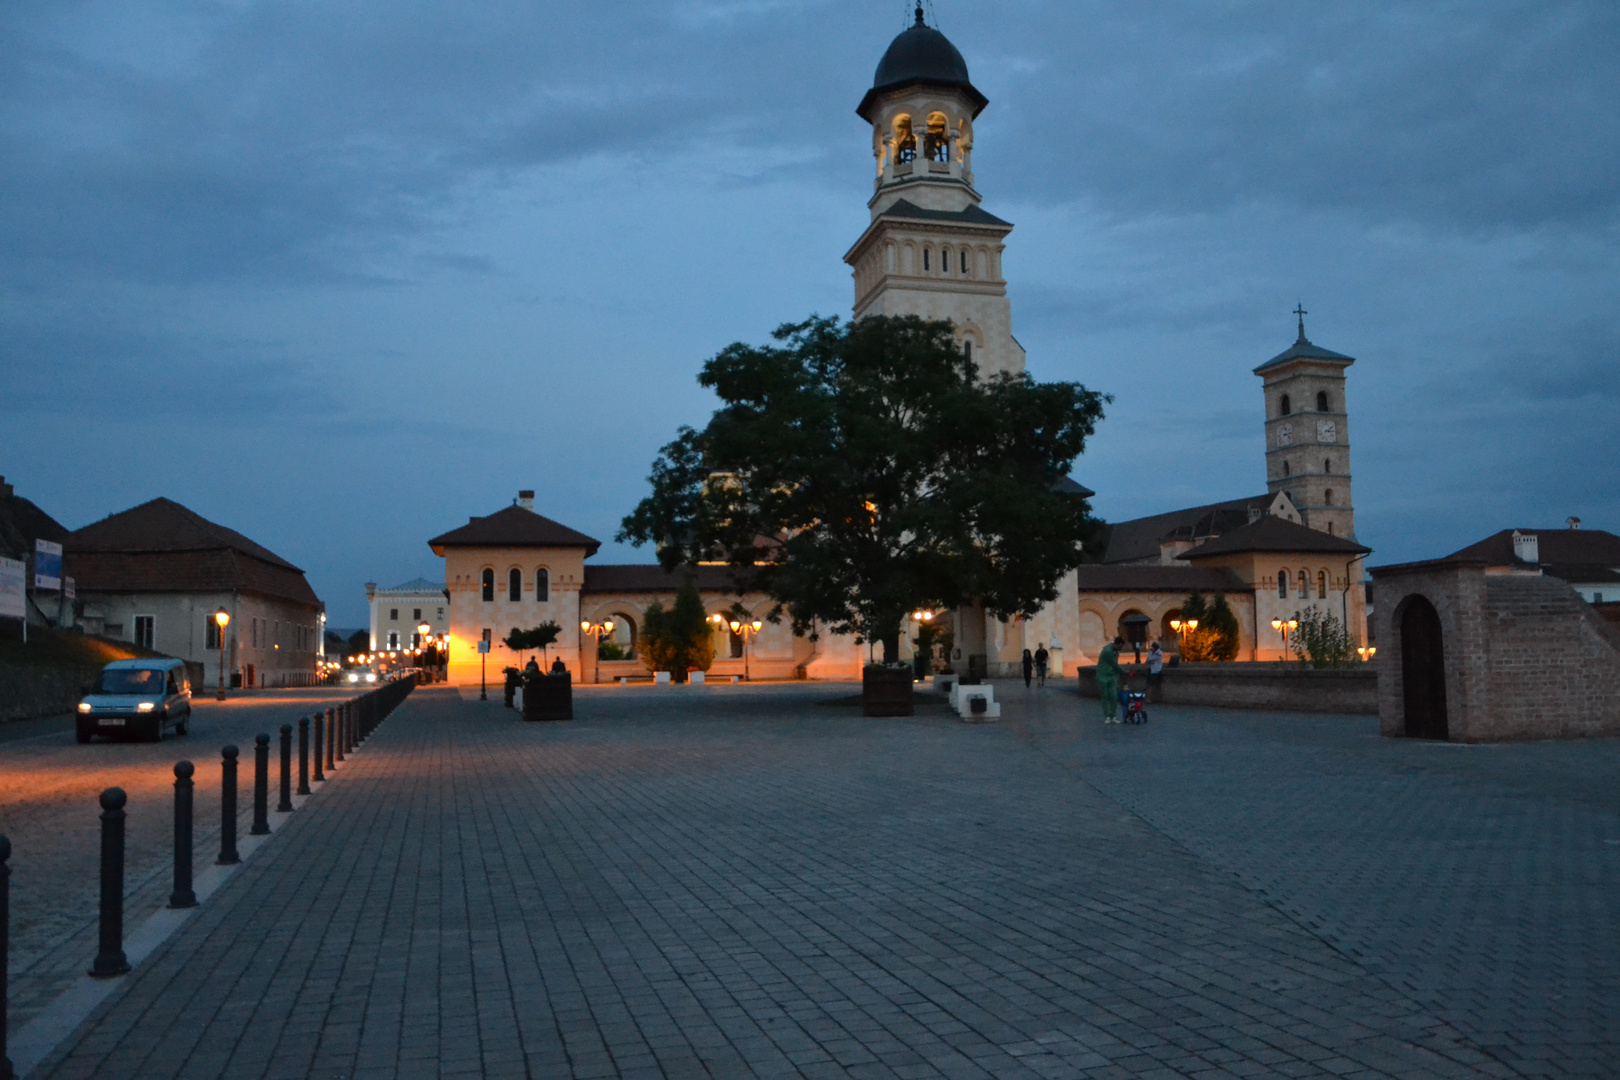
[1029,668]
[1108,673]
[1155,670]
[1041,659]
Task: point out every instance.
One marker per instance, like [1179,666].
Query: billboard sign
[13,582]
[47,566]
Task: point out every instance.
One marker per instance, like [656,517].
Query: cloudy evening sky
[340,275]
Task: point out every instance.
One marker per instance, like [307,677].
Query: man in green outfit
[1108,673]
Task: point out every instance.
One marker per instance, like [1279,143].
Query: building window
[905,141]
[489,585]
[1282,584]
[936,138]
[1328,496]
[210,633]
[964,262]
[1304,586]
[925,260]
[1286,470]
[416,641]
[393,614]
[514,585]
[967,349]
[143,631]
[542,586]
[1327,465]
[393,639]
[1283,406]
[441,613]
[1321,401]
[417,616]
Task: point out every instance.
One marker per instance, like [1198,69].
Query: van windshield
[130,681]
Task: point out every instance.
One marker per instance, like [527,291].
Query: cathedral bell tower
[1308,433]
[930,250]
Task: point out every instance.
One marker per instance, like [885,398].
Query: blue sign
[47,566]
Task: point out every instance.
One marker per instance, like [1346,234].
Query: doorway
[1423,670]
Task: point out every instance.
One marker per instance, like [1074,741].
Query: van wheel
[156,734]
[183,727]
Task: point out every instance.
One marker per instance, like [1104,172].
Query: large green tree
[857,471]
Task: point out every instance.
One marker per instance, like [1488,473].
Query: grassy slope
[61,649]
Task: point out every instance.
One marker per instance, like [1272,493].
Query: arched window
[1282,584]
[964,261]
[1321,401]
[1321,584]
[1330,528]
[967,349]
[925,260]
[936,139]
[905,141]
[1283,406]
[542,586]
[1327,496]
[736,645]
[1304,586]
[1286,470]
[1327,465]
[514,584]
[489,585]
[944,260]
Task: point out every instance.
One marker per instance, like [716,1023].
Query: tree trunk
[891,647]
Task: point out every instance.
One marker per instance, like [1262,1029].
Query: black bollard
[6,1072]
[182,896]
[303,755]
[338,725]
[261,785]
[110,960]
[284,805]
[331,736]
[320,750]
[227,807]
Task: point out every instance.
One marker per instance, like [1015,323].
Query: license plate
[111,721]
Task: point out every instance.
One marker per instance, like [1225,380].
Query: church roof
[515,526]
[1303,349]
[1138,539]
[921,55]
[416,586]
[903,208]
[1272,533]
[161,546]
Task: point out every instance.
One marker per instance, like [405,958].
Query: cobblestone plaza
[739,881]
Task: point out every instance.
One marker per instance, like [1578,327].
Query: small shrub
[1321,640]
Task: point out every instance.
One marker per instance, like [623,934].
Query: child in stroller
[1133,699]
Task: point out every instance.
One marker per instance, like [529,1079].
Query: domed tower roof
[921,55]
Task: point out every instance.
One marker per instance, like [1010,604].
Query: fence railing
[330,733]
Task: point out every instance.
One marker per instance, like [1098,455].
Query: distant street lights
[222,619]
[1283,626]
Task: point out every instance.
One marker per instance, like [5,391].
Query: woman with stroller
[1108,675]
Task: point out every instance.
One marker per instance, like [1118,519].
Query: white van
[137,699]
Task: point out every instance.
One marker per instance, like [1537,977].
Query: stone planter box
[1282,687]
[886,691]
[548,697]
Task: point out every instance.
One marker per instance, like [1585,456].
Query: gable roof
[514,526]
[1304,349]
[1137,539]
[161,546]
[1587,555]
[1272,533]
[21,523]
[417,586]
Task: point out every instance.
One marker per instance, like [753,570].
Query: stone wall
[27,693]
[1525,657]
[1262,686]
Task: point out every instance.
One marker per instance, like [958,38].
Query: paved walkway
[733,882]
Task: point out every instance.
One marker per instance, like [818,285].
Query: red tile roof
[515,526]
[161,546]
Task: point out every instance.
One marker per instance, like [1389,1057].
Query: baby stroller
[1133,703]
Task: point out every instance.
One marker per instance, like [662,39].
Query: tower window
[1327,465]
[945,260]
[936,140]
[1285,469]
[905,141]
[967,349]
[925,260]
[1283,406]
[964,262]
[542,586]
[514,584]
[1321,401]
[1328,496]
[1304,586]
[1321,585]
[489,585]
[1282,584]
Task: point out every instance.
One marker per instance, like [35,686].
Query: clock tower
[930,250]
[1308,433]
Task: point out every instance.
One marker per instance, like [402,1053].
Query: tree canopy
[541,637]
[1217,636]
[857,471]
[679,639]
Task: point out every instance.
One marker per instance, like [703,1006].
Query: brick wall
[1525,657]
[1261,686]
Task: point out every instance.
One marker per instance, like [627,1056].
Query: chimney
[526,500]
[1573,523]
[1526,547]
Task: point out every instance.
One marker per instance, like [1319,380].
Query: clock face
[1327,431]
[1285,435]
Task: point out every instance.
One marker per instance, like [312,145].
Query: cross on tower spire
[1299,309]
[919,13]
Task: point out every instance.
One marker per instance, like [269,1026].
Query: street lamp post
[1283,626]
[597,630]
[222,619]
[1182,627]
[424,643]
[746,629]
